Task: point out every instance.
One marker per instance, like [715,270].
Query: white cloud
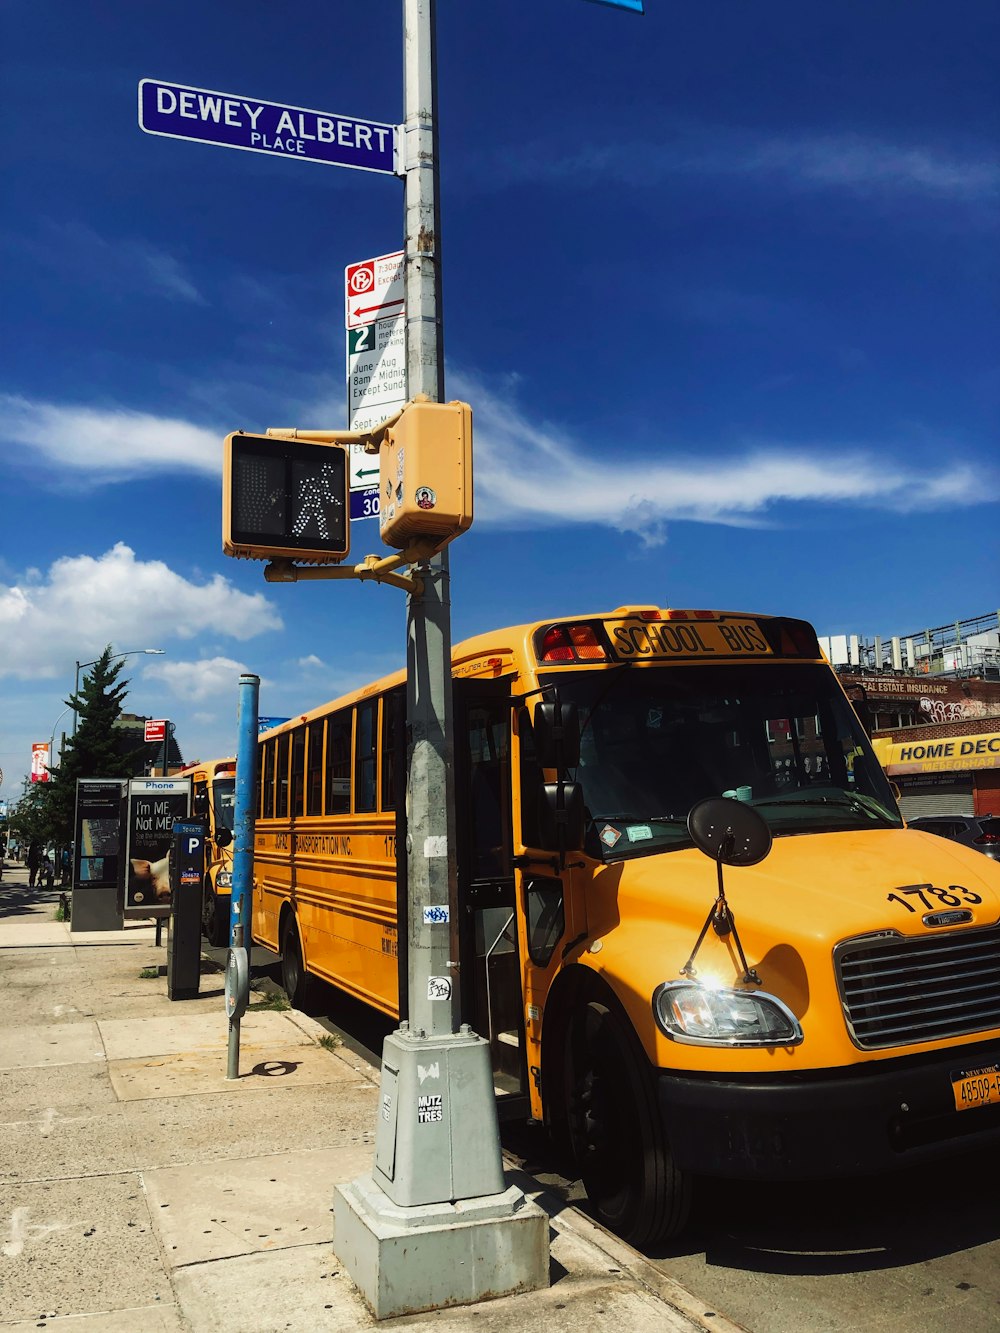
[111,444]
[532,473]
[312,662]
[529,473]
[195,682]
[847,162]
[86,602]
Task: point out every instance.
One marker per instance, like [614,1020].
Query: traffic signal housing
[425,474]
[285,499]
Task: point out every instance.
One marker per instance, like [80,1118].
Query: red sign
[40,761]
[155,731]
[374,289]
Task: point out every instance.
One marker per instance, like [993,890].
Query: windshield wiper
[641,819]
[853,800]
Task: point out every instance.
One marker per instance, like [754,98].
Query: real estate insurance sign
[153,806]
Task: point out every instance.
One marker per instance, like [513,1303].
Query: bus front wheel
[616,1132]
[299,986]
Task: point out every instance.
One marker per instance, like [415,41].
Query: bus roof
[640,634]
[212,768]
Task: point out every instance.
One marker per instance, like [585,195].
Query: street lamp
[52,740]
[132,652]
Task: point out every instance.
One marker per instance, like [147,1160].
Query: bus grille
[898,991]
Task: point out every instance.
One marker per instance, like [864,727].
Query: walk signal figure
[319,509]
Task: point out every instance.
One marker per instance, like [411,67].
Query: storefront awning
[943,754]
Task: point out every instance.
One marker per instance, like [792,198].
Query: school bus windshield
[656,739]
[224,799]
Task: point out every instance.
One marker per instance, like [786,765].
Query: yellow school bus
[695,930]
[213,788]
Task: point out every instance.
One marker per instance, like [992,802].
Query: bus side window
[281,779]
[200,802]
[298,771]
[268,782]
[365,757]
[392,762]
[338,763]
[314,770]
[531,781]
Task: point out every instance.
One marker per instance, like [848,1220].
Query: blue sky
[720,283]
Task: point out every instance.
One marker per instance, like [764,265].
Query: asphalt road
[918,1250]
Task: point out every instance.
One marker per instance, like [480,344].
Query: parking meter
[187,874]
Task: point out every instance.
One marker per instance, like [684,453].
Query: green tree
[99,749]
[30,819]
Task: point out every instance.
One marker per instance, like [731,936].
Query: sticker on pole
[430,1108]
[237,982]
[436,916]
[439,988]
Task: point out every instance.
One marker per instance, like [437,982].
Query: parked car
[979,831]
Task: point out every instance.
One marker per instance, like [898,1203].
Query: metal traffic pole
[432,951]
[238,962]
[437,1170]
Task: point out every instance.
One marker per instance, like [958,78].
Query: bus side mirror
[557,734]
[223,837]
[561,820]
[730,832]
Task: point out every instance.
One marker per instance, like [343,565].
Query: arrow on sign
[367,309]
[368,472]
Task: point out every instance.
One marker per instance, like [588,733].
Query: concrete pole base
[404,1260]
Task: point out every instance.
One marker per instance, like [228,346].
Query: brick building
[936,725]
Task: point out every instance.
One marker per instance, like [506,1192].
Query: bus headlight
[224,879]
[689,1012]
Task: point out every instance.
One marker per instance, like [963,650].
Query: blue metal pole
[243,819]
[242,887]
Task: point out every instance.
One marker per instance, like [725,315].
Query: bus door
[491,973]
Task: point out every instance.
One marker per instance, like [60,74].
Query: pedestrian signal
[284,499]
[425,474]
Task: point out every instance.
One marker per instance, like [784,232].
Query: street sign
[230,120]
[155,731]
[373,289]
[266,723]
[376,362]
[376,372]
[364,504]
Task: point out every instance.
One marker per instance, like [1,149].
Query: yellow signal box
[284,498]
[425,474]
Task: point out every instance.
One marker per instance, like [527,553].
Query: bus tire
[215,920]
[299,986]
[616,1132]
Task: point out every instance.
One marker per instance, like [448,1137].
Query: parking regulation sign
[373,289]
[375,315]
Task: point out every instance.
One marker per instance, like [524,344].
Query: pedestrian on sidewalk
[33,860]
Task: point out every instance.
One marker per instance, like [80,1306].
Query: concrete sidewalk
[141,1190]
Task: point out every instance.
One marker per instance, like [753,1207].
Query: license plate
[976,1087]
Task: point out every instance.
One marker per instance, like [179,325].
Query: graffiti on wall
[943,710]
